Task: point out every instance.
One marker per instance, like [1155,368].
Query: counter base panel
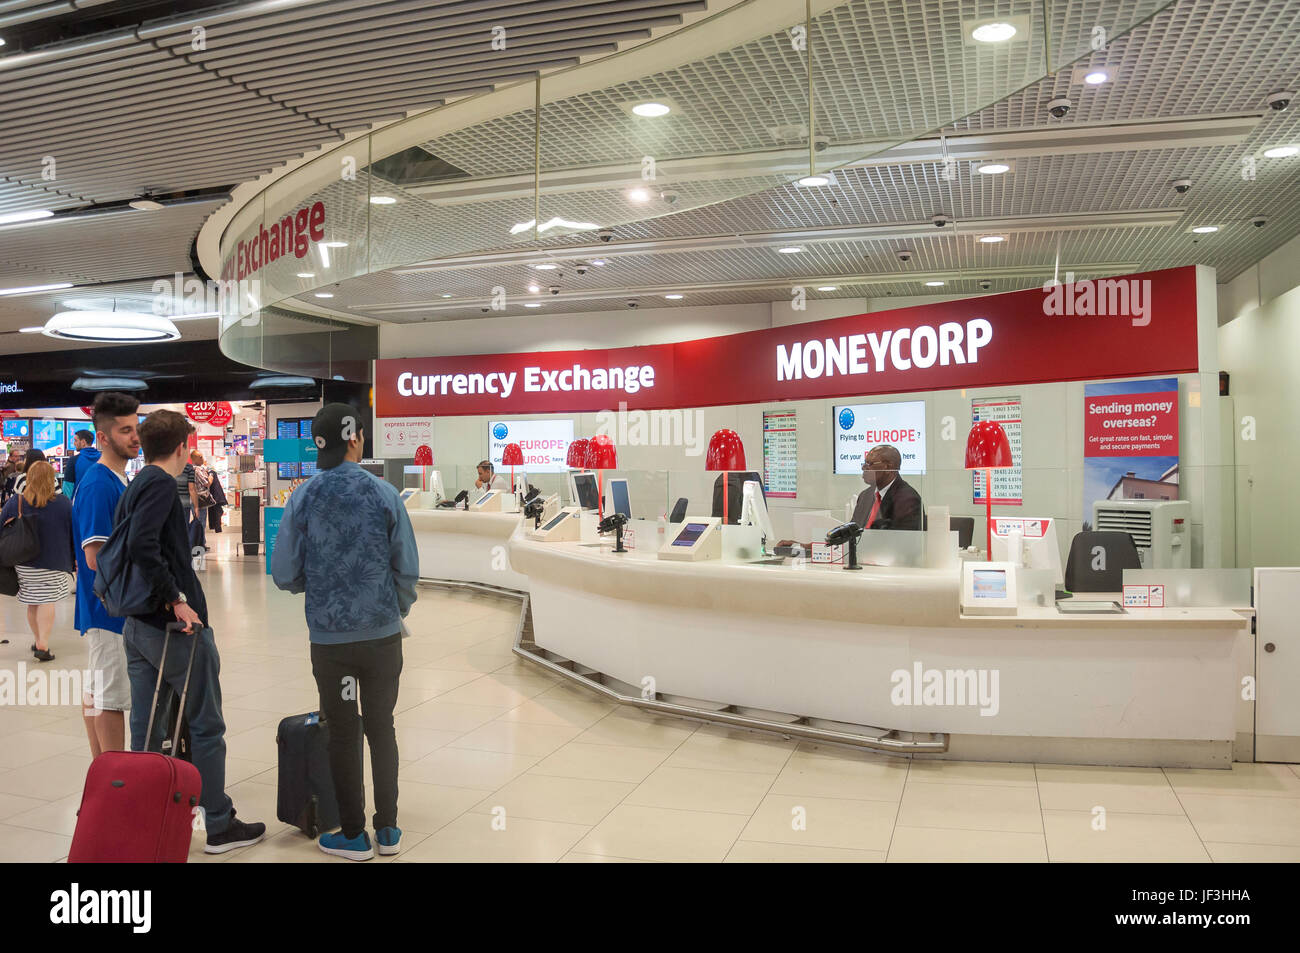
[467,558]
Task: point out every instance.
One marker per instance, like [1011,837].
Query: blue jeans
[144,645]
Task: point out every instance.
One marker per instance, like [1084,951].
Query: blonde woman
[46,580]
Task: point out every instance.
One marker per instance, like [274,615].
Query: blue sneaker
[358,848]
[389,840]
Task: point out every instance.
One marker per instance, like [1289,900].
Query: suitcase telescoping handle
[185,688]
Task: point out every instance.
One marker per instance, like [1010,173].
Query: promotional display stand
[250,514]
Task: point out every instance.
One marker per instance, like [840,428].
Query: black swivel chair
[965,527]
[1119,552]
[679,510]
[736,480]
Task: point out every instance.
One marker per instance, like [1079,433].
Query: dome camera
[1182,186]
[633,303]
[904,254]
[1059,107]
[821,143]
[605,234]
[485,310]
[985,285]
[554,289]
[669,196]
[1280,100]
[581,267]
[1259,221]
[940,220]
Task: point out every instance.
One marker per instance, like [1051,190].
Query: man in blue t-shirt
[98,489]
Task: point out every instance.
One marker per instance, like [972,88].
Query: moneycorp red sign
[1023,337]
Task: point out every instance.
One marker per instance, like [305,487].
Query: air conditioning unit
[1162,529]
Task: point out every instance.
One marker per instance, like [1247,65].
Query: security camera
[1280,100]
[633,303]
[940,220]
[554,289]
[985,285]
[1259,221]
[1059,107]
[485,310]
[821,143]
[669,196]
[581,267]
[1182,186]
[605,234]
[904,254]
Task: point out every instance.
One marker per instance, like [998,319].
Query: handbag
[119,583]
[20,543]
[8,581]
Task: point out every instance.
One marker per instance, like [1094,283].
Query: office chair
[1120,553]
[679,511]
[965,527]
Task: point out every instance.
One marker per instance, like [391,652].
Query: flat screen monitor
[484,498]
[622,501]
[585,485]
[690,534]
[48,435]
[17,429]
[990,584]
[856,428]
[286,471]
[370,466]
[555,522]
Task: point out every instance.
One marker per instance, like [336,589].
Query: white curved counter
[466,546]
[866,648]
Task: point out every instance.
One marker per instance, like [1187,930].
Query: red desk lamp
[601,455]
[512,456]
[577,455]
[726,453]
[987,449]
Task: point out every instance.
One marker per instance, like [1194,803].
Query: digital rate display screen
[690,534]
[555,522]
[990,584]
[48,435]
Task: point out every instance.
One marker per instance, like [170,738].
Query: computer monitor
[370,466]
[48,435]
[619,496]
[1029,542]
[585,488]
[754,510]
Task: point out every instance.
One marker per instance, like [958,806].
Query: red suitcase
[138,806]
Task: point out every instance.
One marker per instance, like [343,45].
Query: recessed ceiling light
[934,284]
[306,274]
[812,181]
[992,239]
[673,297]
[546,267]
[446,296]
[11,217]
[1281,152]
[34,289]
[323,294]
[638,195]
[993,32]
[790,250]
[598,262]
[533,304]
[112,326]
[993,168]
[334,244]
[1205,229]
[651,110]
[382,200]
[35,330]
[828,288]
[1097,77]
[145,205]
[533,289]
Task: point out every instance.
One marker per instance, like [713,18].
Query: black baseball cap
[331,429]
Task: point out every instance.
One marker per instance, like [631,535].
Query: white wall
[1269,278]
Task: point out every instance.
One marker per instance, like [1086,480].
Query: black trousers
[369,672]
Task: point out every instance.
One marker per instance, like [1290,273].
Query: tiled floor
[501,761]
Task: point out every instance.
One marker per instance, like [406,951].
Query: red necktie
[875,511]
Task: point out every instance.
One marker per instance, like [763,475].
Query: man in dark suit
[888,502]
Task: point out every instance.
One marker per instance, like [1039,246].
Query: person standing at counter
[347,542]
[488,478]
[889,501]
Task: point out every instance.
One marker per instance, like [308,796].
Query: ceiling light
[382,200]
[323,294]
[790,250]
[934,284]
[145,205]
[993,168]
[533,289]
[812,181]
[334,244]
[598,262]
[1096,77]
[673,297]
[533,304]
[33,330]
[651,110]
[546,267]
[11,217]
[306,274]
[283,380]
[108,383]
[992,239]
[828,288]
[1281,152]
[34,289]
[1205,229]
[556,222]
[112,326]
[446,296]
[993,32]
[638,195]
